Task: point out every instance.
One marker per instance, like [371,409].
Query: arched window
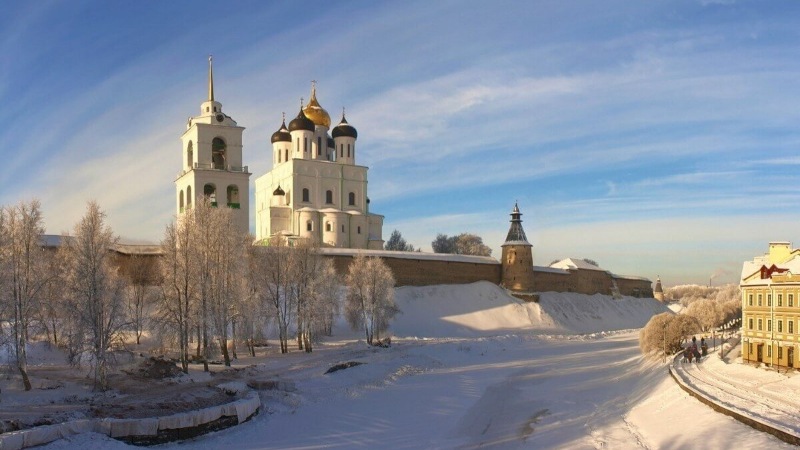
[328,197]
[306,195]
[218,153]
[341,150]
[233,196]
[279,156]
[309,226]
[327,226]
[305,145]
[342,228]
[319,145]
[180,201]
[286,155]
[297,145]
[351,199]
[348,150]
[359,229]
[189,155]
[210,191]
[188,197]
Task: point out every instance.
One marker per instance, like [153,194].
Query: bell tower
[212,161]
[517,259]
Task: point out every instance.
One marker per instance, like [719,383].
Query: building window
[342,228]
[750,300]
[341,150]
[750,323]
[286,155]
[791,327]
[769,324]
[359,229]
[329,197]
[188,197]
[760,325]
[190,155]
[769,299]
[759,299]
[780,299]
[297,145]
[348,150]
[780,326]
[319,146]
[309,226]
[306,195]
[791,300]
[327,226]
[769,351]
[780,352]
[279,156]
[351,199]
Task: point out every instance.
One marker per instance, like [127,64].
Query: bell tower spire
[210,78]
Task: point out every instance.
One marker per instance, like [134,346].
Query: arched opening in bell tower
[218,153]
[233,197]
[210,191]
[189,155]
[188,197]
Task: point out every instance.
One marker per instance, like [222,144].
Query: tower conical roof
[516,235]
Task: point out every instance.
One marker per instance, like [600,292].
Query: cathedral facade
[315,189]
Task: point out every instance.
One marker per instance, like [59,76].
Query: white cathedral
[314,191]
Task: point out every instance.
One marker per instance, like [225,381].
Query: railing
[213,166]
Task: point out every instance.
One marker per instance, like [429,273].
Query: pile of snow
[485,309]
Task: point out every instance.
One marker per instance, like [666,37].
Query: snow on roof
[409,255]
[124,245]
[574,263]
[550,270]
[630,277]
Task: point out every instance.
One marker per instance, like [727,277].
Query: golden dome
[315,112]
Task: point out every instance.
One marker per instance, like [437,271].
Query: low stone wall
[148,431]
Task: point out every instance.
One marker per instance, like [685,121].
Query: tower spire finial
[210,79]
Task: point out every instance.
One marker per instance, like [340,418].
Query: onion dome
[344,129]
[301,122]
[278,191]
[314,111]
[282,135]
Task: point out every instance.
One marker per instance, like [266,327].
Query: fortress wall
[546,281]
[635,287]
[425,272]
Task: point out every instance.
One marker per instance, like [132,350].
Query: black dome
[344,129]
[301,122]
[278,191]
[282,135]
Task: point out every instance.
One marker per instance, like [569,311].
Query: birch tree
[24,261]
[178,294]
[370,297]
[271,272]
[96,297]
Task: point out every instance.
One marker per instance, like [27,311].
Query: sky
[658,138]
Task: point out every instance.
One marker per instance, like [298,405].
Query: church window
[188,197]
[309,226]
[207,109]
[351,198]
[341,150]
[306,195]
[329,197]
[189,155]
[342,228]
[180,201]
[297,145]
[286,155]
[305,145]
[327,226]
[218,153]
[359,229]
[319,146]
[348,150]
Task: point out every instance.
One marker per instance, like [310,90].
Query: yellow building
[770,286]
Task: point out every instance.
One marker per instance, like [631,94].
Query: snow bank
[485,309]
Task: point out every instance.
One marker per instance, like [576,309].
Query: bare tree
[370,297]
[177,301]
[139,294]
[26,274]
[271,272]
[96,306]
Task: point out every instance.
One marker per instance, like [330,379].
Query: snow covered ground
[472,367]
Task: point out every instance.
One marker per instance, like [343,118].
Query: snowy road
[762,394]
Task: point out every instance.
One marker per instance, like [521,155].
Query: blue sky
[656,137]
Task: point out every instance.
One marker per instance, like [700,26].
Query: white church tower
[315,189]
[212,161]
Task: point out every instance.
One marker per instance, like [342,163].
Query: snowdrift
[485,309]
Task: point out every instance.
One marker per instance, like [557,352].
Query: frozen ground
[473,368]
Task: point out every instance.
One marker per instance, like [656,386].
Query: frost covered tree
[176,304]
[319,299]
[396,242]
[708,313]
[370,297]
[95,291]
[667,330]
[271,272]
[463,244]
[24,266]
[139,294]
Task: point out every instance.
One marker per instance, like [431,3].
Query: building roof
[516,234]
[333,251]
[575,263]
